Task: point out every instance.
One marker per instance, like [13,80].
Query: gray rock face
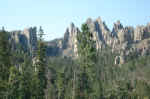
[123,40]
[139,33]
[126,35]
[31,35]
[116,28]
[142,32]
[16,38]
[68,44]
[101,33]
[27,39]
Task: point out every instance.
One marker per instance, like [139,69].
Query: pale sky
[56,15]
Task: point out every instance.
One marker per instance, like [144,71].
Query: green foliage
[4,56]
[86,45]
[5,63]
[93,75]
[127,81]
[40,79]
[87,55]
[25,80]
[14,83]
[60,85]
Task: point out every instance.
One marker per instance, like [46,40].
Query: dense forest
[93,75]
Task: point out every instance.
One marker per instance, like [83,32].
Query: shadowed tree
[41,65]
[87,55]
[5,62]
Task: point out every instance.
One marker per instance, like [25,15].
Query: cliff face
[68,44]
[122,40]
[125,41]
[26,39]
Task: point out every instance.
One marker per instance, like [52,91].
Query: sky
[56,15]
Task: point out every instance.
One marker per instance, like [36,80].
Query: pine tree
[25,80]
[35,87]
[87,56]
[14,83]
[4,62]
[4,56]
[60,85]
[40,74]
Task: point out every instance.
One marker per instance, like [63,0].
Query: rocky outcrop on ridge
[122,40]
[26,39]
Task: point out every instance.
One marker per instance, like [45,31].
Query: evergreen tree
[14,83]
[40,74]
[4,62]
[87,56]
[35,87]
[60,85]
[4,56]
[25,80]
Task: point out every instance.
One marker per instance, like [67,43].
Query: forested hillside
[93,74]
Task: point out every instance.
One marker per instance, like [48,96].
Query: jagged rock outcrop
[126,35]
[26,39]
[97,35]
[101,33]
[139,33]
[122,40]
[31,35]
[69,42]
[116,28]
[66,46]
[125,41]
[142,32]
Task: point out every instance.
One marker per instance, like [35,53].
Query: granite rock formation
[122,40]
[125,41]
[26,39]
